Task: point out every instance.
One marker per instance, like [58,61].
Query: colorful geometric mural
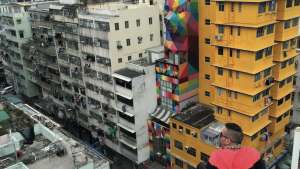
[179,68]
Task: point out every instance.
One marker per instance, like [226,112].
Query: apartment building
[15,22]
[247,52]
[190,133]
[93,45]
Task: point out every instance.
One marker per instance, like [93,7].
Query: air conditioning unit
[186,147]
[219,37]
[267,101]
[265,136]
[180,130]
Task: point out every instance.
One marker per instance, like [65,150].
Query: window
[21,33]
[285,45]
[116,26]
[220,51]
[279,119]
[266,92]
[283,64]
[207,76]
[120,60]
[207,59]
[237,75]
[260,32]
[232,6]
[230,73]
[219,91]
[188,131]
[126,24]
[238,51]
[270,29]
[204,157]
[259,55]
[279,102]
[179,163]
[287,97]
[231,30]
[207,93]
[289,3]
[297,3]
[140,55]
[238,31]
[138,23]
[129,58]
[178,144]
[219,110]
[254,136]
[174,125]
[281,83]
[289,79]
[221,29]
[230,52]
[207,2]
[151,37]
[287,24]
[262,7]
[255,117]
[291,61]
[220,71]
[267,72]
[207,40]
[257,77]
[268,51]
[207,21]
[240,7]
[19,21]
[295,21]
[272,5]
[256,97]
[150,20]
[221,6]
[128,42]
[191,151]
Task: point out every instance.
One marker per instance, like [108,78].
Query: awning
[162,114]
[121,77]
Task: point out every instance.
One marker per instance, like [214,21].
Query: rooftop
[196,115]
[41,147]
[128,73]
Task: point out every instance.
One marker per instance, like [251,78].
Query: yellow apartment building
[247,53]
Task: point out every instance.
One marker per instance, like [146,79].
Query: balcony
[129,141]
[284,13]
[277,110]
[280,73]
[275,126]
[283,34]
[283,54]
[242,42]
[126,123]
[249,17]
[124,91]
[278,92]
[45,24]
[129,152]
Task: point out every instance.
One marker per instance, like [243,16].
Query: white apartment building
[93,43]
[15,22]
[136,99]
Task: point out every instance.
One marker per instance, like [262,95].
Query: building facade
[15,21]
[247,64]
